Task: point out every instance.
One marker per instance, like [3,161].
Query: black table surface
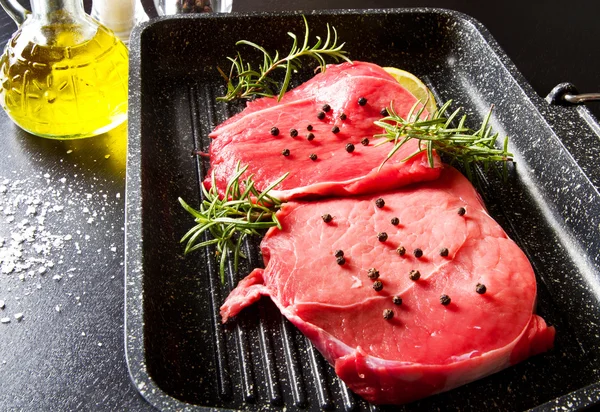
[62,207]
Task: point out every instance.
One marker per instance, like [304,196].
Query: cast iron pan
[179,354]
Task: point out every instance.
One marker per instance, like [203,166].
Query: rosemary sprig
[459,143]
[245,82]
[242,211]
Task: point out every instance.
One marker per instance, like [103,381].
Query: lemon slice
[415,86]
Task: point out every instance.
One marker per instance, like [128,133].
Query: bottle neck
[62,23]
[57,10]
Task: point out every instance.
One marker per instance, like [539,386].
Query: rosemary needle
[459,144]
[241,211]
[245,82]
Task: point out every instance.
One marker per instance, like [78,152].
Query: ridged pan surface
[180,355]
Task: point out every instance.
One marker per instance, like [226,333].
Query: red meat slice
[247,138]
[426,347]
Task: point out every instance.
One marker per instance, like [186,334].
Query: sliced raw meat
[308,89]
[425,347]
[324,165]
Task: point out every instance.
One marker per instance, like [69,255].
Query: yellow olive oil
[66,89]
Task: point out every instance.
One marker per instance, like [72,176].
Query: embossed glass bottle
[62,75]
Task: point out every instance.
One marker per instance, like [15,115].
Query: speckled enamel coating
[180,358]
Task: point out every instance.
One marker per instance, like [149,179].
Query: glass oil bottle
[62,75]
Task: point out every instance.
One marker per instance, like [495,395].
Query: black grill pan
[180,356]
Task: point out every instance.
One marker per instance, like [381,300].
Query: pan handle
[567,94]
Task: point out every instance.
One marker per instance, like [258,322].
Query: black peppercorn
[326,108]
[335,129]
[341,260]
[321,115]
[418,253]
[462,211]
[310,136]
[480,288]
[401,250]
[274,131]
[285,152]
[395,221]
[309,127]
[384,112]
[414,275]
[382,236]
[343,116]
[377,285]
[293,132]
[397,300]
[362,101]
[380,203]
[444,252]
[445,300]
[373,273]
[313,156]
[388,314]
[349,147]
[327,218]
[364,142]
[339,253]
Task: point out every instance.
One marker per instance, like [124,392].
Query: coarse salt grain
[19,316]
[5,320]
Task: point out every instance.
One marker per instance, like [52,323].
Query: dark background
[73,359]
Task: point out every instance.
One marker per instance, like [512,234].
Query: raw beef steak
[316,133]
[455,300]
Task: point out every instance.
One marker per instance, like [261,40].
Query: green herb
[459,144]
[241,211]
[245,82]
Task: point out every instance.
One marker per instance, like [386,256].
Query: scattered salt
[57,308]
[2,304]
[69,151]
[82,333]
[118,195]
[5,320]
[99,343]
[68,237]
[57,277]
[42,270]
[19,316]
[63,180]
[113,249]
